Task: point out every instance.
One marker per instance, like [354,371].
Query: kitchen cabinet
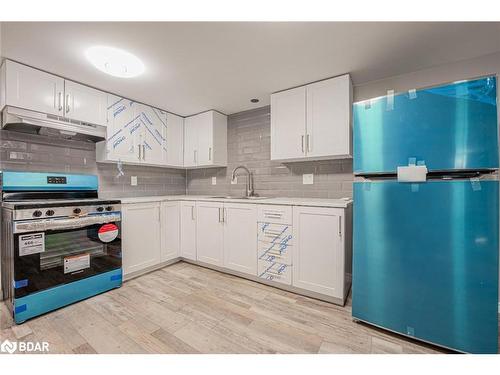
[288,124]
[210,232]
[188,229]
[240,242]
[175,140]
[141,236]
[84,103]
[170,230]
[312,122]
[321,253]
[205,140]
[38,91]
[153,134]
[32,89]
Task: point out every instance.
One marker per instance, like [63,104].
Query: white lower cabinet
[319,261]
[170,230]
[240,243]
[210,232]
[141,236]
[188,230]
[275,271]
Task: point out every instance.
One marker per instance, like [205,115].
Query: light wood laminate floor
[184,308]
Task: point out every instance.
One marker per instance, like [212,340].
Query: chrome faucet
[249,190]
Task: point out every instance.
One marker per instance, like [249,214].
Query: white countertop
[315,202]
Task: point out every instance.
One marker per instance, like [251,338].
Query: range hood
[26,121]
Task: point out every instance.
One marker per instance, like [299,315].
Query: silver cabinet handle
[140,152]
[210,153]
[192,213]
[308,138]
[220,221]
[340,226]
[60,107]
[194,156]
[224,216]
[67,103]
[143,152]
[302,142]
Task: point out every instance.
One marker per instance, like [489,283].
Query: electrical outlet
[308,179]
[235,181]
[214,180]
[133,180]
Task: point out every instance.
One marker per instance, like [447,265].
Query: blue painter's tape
[20,283]
[20,308]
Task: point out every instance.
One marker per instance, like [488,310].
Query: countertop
[314,202]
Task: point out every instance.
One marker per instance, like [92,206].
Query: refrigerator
[425,252]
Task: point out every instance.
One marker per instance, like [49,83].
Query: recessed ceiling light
[254,100]
[115,61]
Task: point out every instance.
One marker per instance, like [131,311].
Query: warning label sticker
[108,232]
[76,263]
[33,243]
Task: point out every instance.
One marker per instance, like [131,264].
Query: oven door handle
[73,223]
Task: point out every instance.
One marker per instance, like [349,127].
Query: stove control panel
[65,211]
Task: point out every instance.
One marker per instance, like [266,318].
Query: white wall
[480,66]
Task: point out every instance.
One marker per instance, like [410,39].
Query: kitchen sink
[237,197]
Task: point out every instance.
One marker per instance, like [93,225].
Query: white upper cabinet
[122,133]
[175,140]
[312,122]
[32,89]
[84,103]
[153,134]
[329,118]
[205,140]
[288,124]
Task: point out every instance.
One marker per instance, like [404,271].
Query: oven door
[48,253]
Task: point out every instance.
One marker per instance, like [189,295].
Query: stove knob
[109,208]
[100,209]
[37,213]
[77,211]
[50,213]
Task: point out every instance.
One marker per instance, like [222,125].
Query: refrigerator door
[426,261]
[446,128]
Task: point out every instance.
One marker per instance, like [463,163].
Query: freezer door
[447,128]
[426,261]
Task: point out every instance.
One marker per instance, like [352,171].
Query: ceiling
[192,67]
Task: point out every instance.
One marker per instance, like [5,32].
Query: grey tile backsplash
[249,144]
[37,153]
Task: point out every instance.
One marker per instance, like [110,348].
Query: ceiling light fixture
[115,61]
[254,100]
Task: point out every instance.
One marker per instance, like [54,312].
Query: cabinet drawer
[275,233]
[275,252]
[275,214]
[274,271]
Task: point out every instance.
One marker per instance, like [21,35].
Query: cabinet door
[288,124]
[188,230]
[32,89]
[154,133]
[318,258]
[190,141]
[175,140]
[209,232]
[205,126]
[141,236]
[329,118]
[170,230]
[240,237]
[123,130]
[84,103]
